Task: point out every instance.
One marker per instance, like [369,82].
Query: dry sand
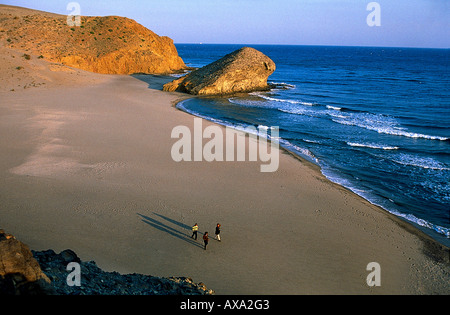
[85,164]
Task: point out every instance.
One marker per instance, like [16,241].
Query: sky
[402,23]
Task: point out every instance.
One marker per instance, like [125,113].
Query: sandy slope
[108,44]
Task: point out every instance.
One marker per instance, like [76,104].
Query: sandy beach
[86,164]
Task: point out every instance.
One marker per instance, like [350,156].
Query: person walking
[217,232]
[194,231]
[205,239]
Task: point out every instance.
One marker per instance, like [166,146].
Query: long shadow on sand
[182,231]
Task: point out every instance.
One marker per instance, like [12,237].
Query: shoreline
[92,172]
[432,247]
[315,166]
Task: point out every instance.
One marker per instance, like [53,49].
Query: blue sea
[376,120]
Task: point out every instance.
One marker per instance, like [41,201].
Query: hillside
[108,45]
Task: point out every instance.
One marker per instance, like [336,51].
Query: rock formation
[25,272]
[109,45]
[95,281]
[20,273]
[244,70]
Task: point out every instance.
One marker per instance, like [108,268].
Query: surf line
[222,147]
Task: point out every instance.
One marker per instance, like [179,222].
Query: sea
[376,120]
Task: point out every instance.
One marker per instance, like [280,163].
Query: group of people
[205,235]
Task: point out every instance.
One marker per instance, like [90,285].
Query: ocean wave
[422,162]
[332,176]
[381,124]
[282,142]
[282,85]
[399,132]
[336,114]
[424,223]
[285,100]
[246,102]
[441,189]
[299,150]
[334,107]
[261,130]
[312,141]
[301,111]
[372,146]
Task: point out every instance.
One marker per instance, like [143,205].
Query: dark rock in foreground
[25,272]
[95,281]
[244,70]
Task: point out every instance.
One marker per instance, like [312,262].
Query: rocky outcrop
[25,272]
[109,45]
[244,70]
[20,273]
[95,281]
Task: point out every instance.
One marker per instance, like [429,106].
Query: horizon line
[314,45]
[193,43]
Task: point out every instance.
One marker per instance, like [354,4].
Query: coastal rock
[25,272]
[108,45]
[95,281]
[69,255]
[244,70]
[20,273]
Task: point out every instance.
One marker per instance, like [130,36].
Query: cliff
[108,45]
[244,70]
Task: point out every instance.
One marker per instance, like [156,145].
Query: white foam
[262,130]
[333,107]
[296,111]
[311,141]
[336,115]
[284,100]
[246,102]
[302,111]
[284,85]
[366,195]
[381,124]
[416,161]
[300,151]
[421,222]
[372,146]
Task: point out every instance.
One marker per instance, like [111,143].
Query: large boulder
[244,70]
[20,273]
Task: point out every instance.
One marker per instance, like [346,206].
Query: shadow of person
[180,224]
[175,232]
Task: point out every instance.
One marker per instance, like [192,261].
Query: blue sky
[404,23]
